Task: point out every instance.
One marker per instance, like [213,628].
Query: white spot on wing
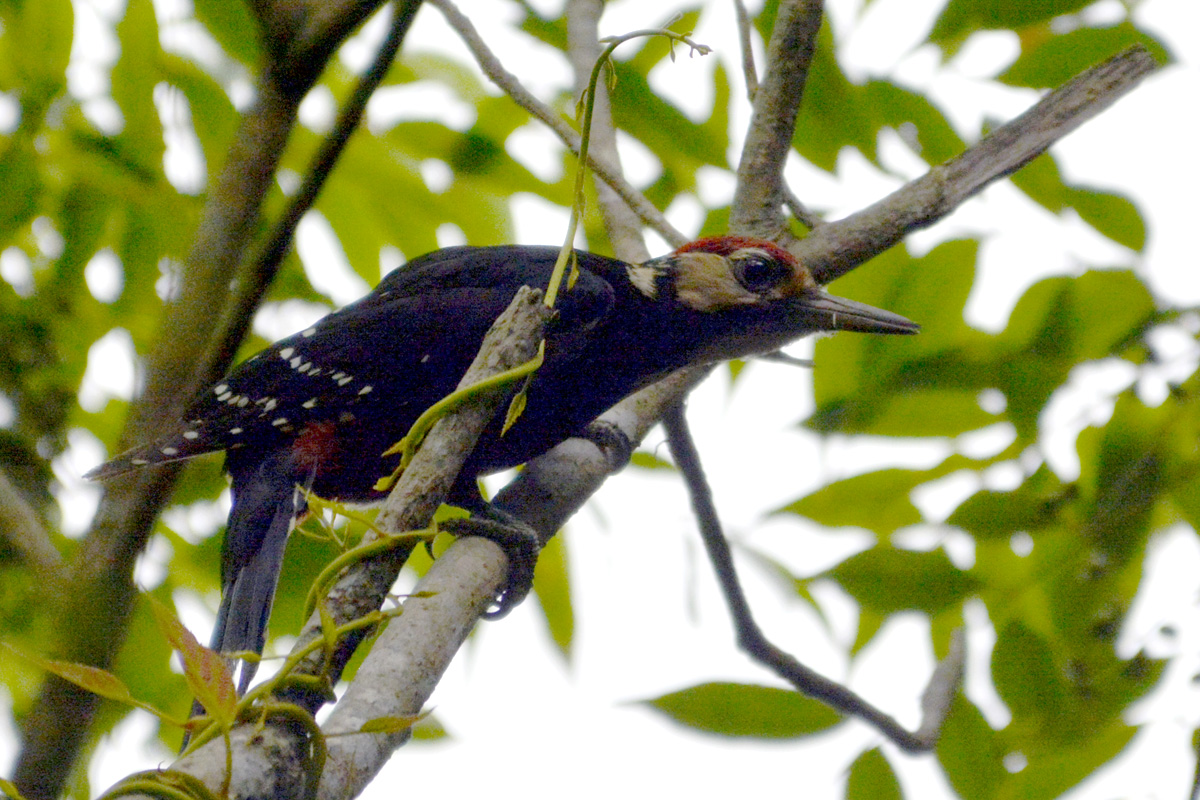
[279,421]
[221,388]
[235,431]
[190,435]
[310,403]
[286,353]
[345,380]
[295,362]
[221,398]
[138,462]
[170,451]
[309,332]
[366,389]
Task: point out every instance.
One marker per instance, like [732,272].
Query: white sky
[648,617]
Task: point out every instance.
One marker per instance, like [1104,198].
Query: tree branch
[946,679]
[407,661]
[583,48]
[258,272]
[749,71]
[838,247]
[363,587]
[96,612]
[757,202]
[511,86]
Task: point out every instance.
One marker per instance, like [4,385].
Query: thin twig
[749,71]
[509,83]
[259,271]
[800,211]
[751,639]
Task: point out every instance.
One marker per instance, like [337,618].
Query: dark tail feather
[246,600]
[265,502]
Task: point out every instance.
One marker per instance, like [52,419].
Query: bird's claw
[613,442]
[519,542]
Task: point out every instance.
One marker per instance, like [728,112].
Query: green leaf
[1035,504]
[961,18]
[1125,479]
[1047,62]
[872,778]
[732,709]
[1059,322]
[1027,679]
[37,47]
[870,622]
[206,672]
[134,77]
[551,583]
[231,24]
[429,729]
[389,724]
[22,186]
[927,413]
[918,120]
[856,378]
[1052,770]
[834,114]
[93,679]
[1112,215]
[877,501]
[1109,310]
[10,790]
[971,753]
[645,459]
[887,580]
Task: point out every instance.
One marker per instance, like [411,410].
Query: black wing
[406,344]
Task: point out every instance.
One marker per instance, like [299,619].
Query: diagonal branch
[946,679]
[838,247]
[363,587]
[258,272]
[96,612]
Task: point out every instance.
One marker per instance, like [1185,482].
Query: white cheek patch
[644,278]
[704,283]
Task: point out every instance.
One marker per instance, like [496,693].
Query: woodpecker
[317,409]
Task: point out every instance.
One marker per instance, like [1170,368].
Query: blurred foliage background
[113,119]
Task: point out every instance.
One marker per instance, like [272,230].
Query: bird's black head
[756,294]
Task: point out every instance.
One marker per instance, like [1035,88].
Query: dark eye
[759,273]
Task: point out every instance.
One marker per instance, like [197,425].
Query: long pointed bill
[834,313]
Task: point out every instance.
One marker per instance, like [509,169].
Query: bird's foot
[613,442]
[519,542]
